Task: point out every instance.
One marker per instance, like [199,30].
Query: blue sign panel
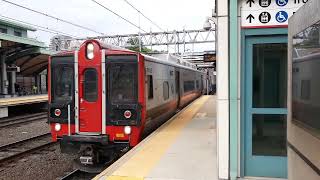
[282,2]
[282,16]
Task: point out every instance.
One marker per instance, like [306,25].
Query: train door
[178,86]
[90,93]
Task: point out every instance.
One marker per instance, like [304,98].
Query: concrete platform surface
[13,101]
[184,148]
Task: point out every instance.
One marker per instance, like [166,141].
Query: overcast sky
[168,14]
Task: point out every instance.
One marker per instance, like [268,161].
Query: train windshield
[123,82]
[62,79]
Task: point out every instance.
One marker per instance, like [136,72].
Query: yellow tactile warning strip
[23,100]
[123,178]
[149,152]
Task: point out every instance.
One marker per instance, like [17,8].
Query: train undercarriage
[92,156]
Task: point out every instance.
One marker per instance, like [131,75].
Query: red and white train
[103,100]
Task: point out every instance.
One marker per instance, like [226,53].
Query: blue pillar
[233,84]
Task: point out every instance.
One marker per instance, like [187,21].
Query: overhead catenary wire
[53,17]
[152,22]
[41,28]
[106,8]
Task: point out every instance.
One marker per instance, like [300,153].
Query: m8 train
[103,99]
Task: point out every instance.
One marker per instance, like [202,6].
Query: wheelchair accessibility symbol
[282,2]
[282,16]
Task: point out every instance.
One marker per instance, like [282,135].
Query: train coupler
[86,160]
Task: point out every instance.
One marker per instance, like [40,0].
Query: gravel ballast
[23,131]
[46,164]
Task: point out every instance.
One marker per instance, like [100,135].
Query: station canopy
[28,54]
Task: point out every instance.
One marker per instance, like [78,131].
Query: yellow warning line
[123,178]
[149,154]
[23,100]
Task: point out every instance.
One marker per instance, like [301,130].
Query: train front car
[101,112]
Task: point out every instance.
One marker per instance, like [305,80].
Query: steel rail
[71,175]
[7,119]
[22,119]
[18,145]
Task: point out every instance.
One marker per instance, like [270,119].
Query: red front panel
[64,131]
[141,97]
[90,90]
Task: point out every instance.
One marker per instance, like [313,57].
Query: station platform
[184,148]
[21,100]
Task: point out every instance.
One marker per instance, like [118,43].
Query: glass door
[266,107]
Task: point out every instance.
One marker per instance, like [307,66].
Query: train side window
[90,85]
[188,86]
[197,84]
[150,86]
[165,90]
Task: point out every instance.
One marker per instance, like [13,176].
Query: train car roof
[120,50]
[168,62]
[309,57]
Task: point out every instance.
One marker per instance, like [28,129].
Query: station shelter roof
[27,53]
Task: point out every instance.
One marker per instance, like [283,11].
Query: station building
[257,137]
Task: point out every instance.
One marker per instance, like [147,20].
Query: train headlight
[127,130]
[90,48]
[57,127]
[127,114]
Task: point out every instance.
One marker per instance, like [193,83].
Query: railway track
[71,175]
[22,148]
[22,119]
[78,175]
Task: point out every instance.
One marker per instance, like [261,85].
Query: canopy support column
[5,82]
[13,82]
